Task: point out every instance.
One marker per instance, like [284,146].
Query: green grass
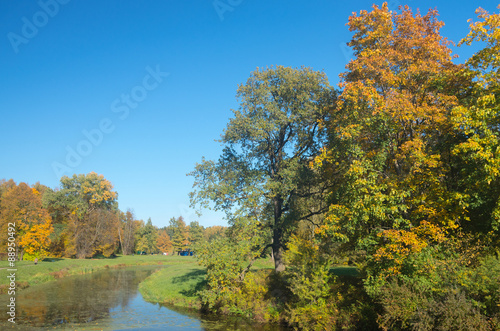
[176,285]
[264,263]
[29,274]
[345,271]
[179,285]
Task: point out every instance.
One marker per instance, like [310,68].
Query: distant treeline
[81,219]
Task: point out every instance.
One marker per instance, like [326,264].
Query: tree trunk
[279,263]
[121,243]
[20,254]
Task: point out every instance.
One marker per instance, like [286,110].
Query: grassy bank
[29,274]
[178,286]
[175,285]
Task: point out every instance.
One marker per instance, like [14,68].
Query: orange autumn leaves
[388,127]
[399,244]
[413,139]
[22,205]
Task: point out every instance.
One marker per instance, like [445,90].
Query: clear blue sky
[68,68]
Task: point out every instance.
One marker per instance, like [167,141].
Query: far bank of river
[28,274]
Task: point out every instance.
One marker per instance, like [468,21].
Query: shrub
[437,290]
[312,304]
[225,262]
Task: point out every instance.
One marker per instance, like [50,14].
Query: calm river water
[105,300]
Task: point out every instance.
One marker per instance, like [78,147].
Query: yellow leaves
[486,61]
[36,240]
[430,232]
[324,156]
[96,188]
[399,244]
[23,205]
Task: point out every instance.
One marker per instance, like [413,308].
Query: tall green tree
[146,238]
[196,232]
[268,145]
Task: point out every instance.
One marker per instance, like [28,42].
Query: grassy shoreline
[179,286]
[175,286]
[28,274]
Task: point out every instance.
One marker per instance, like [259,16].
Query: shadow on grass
[345,271]
[52,259]
[102,257]
[195,275]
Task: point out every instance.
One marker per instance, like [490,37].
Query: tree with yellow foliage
[389,129]
[22,206]
[476,122]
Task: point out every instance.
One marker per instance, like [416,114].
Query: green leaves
[146,238]
[225,261]
[268,144]
[85,192]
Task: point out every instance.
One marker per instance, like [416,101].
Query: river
[106,300]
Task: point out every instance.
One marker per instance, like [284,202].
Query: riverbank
[28,274]
[179,286]
[175,286]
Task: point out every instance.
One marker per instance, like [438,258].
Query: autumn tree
[93,221]
[268,145]
[126,232]
[214,232]
[22,207]
[476,122]
[413,151]
[389,133]
[55,204]
[163,241]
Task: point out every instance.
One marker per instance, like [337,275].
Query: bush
[225,262]
[437,290]
[312,305]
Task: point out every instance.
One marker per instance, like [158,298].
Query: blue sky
[140,90]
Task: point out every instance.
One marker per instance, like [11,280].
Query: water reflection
[106,300]
[79,299]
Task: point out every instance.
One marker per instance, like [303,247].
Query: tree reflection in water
[78,299]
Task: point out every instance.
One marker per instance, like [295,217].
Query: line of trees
[397,172]
[81,219]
